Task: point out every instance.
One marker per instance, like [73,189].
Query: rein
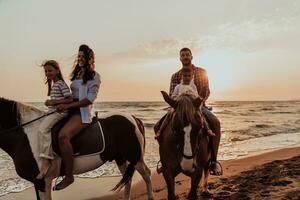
[26,123]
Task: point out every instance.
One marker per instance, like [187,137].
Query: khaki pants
[44,133]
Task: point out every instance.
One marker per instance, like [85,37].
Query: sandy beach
[270,175]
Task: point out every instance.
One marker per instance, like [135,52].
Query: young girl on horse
[59,93]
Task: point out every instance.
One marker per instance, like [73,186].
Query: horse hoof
[206,194]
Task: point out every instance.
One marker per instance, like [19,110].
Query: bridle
[180,149]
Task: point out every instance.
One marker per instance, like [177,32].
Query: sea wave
[262,125]
[267,108]
[146,109]
[281,112]
[149,125]
[13,185]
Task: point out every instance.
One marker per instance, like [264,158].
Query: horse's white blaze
[139,135]
[187,164]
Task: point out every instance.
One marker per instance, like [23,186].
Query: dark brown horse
[184,146]
[124,137]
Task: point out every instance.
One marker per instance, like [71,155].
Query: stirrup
[213,171]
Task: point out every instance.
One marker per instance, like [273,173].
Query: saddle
[89,141]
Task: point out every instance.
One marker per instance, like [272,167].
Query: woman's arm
[75,104]
[93,88]
[54,102]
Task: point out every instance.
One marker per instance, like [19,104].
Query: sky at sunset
[250,49]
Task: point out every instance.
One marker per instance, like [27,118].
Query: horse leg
[40,188]
[48,188]
[145,172]
[170,184]
[206,192]
[194,184]
[122,167]
[46,193]
[39,194]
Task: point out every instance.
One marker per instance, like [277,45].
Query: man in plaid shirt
[201,82]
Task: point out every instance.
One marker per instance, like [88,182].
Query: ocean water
[246,127]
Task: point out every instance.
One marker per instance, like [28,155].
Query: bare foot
[64,183]
[44,168]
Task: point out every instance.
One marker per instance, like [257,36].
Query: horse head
[186,125]
[12,115]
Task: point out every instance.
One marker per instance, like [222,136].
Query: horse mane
[9,116]
[185,110]
[29,108]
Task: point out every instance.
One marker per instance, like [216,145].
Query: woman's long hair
[55,65]
[89,72]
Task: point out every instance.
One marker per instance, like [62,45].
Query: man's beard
[187,63]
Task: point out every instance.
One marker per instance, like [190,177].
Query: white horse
[125,143]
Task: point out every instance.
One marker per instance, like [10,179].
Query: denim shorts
[74,111]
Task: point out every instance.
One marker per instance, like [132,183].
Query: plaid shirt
[200,80]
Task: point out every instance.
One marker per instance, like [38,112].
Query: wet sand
[271,175]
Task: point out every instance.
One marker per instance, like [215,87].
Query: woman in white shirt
[85,86]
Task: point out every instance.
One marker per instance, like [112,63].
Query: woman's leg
[70,129]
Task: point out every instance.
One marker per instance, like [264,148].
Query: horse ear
[168,99]
[197,102]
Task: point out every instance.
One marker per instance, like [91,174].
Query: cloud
[255,35]
[277,31]
[159,49]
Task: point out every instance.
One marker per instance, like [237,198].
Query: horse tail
[126,177]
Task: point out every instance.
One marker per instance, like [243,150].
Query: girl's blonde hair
[55,65]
